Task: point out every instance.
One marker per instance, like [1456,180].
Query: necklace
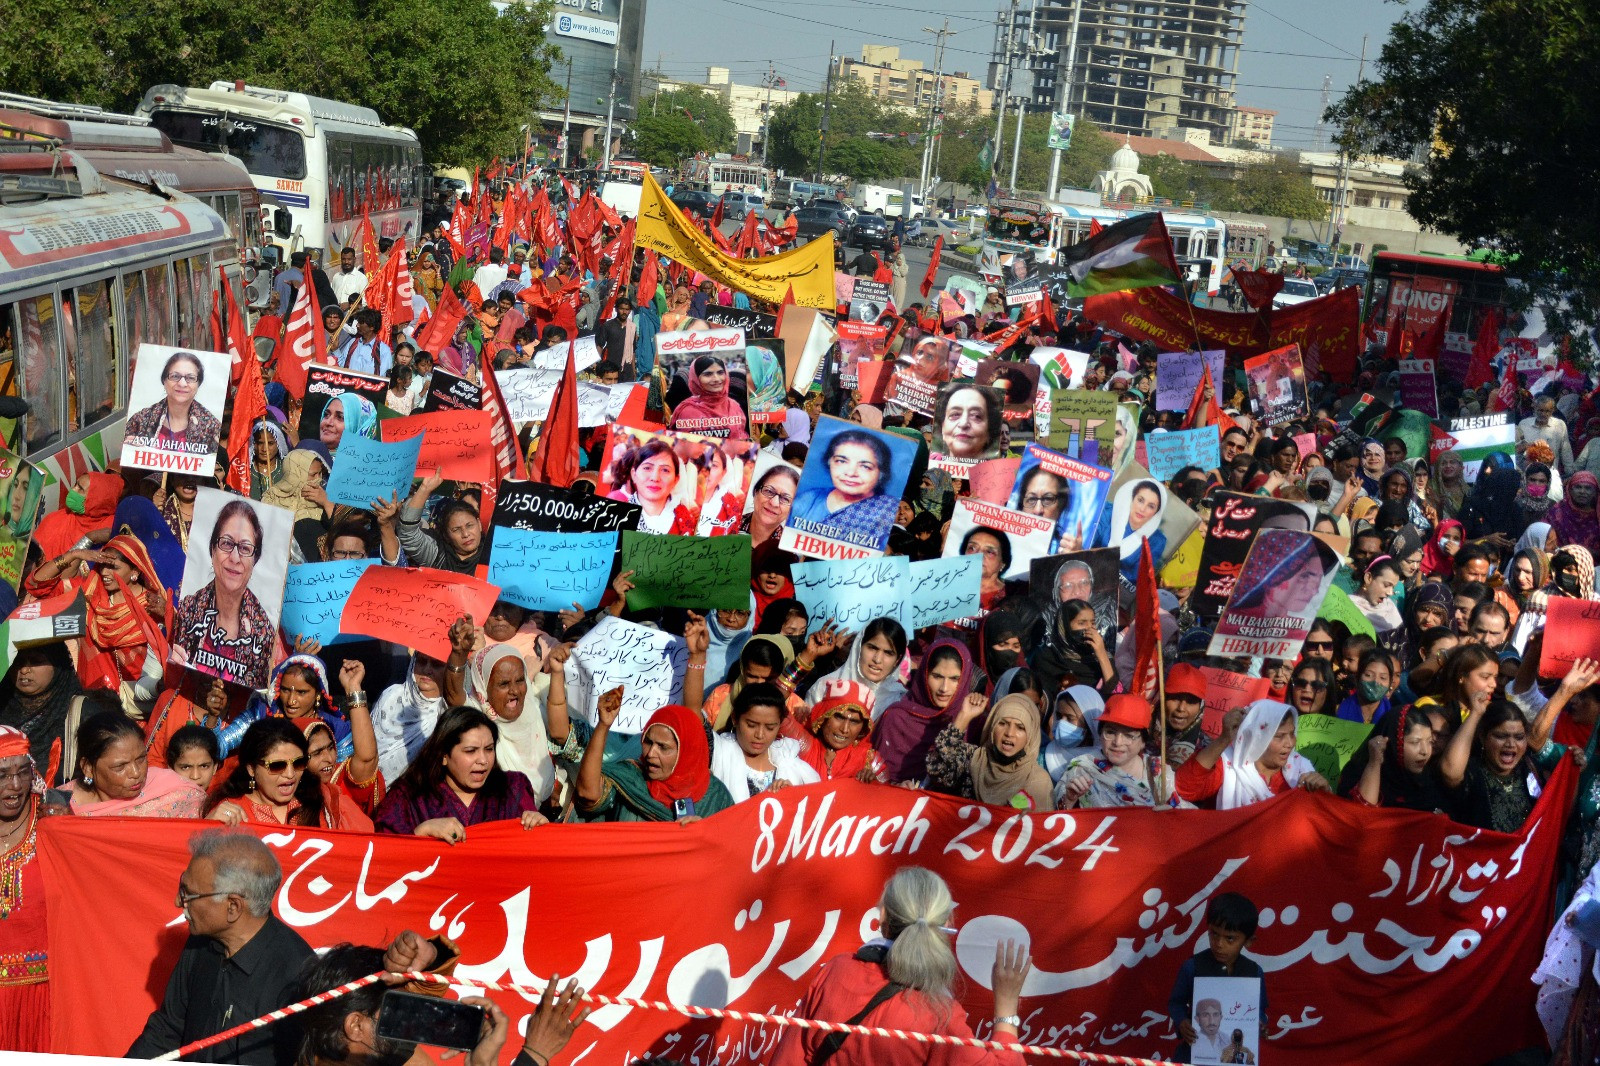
[12,863]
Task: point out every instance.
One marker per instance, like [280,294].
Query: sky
[1289,45]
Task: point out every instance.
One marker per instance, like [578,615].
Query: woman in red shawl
[710,410]
[837,742]
[1439,554]
[670,781]
[89,506]
[129,615]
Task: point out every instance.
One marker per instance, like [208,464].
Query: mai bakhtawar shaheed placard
[1276,597]
[226,624]
[176,400]
[850,489]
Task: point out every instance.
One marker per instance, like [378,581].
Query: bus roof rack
[318,106]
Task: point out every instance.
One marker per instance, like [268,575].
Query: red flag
[649,279]
[749,236]
[441,327]
[303,341]
[1146,628]
[237,338]
[556,460]
[1258,286]
[367,242]
[716,212]
[1047,313]
[507,456]
[1214,413]
[1431,344]
[1002,339]
[249,407]
[788,301]
[1484,349]
[219,338]
[933,267]
[1095,228]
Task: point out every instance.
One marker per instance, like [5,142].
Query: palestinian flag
[1132,254]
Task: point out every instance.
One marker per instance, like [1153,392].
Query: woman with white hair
[902,979]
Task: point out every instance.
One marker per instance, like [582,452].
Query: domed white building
[1123,180]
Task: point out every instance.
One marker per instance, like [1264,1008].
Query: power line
[1308,33]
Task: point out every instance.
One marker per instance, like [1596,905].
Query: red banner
[1360,909]
[1328,329]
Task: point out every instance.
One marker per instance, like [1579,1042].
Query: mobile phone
[683,808]
[414,1019]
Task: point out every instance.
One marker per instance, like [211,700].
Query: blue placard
[943,590]
[551,571]
[853,592]
[1168,453]
[367,470]
[313,598]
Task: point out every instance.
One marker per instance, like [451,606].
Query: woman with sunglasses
[271,784]
[1309,685]
[1321,642]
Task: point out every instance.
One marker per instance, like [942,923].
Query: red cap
[1126,709]
[1186,679]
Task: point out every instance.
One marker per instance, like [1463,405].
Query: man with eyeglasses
[239,962]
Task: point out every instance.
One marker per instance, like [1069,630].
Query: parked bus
[325,161]
[1247,243]
[89,270]
[1418,288]
[129,151]
[718,176]
[795,192]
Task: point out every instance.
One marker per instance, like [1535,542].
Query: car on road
[697,201]
[814,221]
[1341,278]
[871,231]
[736,205]
[923,232]
[1295,291]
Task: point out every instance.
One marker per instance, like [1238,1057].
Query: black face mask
[1002,660]
[1567,581]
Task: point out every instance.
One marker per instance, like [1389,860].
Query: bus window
[147,308]
[91,354]
[8,372]
[193,284]
[39,321]
[228,207]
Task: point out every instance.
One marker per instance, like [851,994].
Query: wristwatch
[1011,1019]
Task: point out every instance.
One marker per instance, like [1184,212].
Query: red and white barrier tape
[670,1008]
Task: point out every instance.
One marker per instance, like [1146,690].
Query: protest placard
[1024,537]
[852,592]
[1235,517]
[1276,597]
[765,394]
[415,607]
[1278,385]
[859,342]
[533,505]
[455,443]
[845,510]
[754,323]
[1338,607]
[705,573]
[54,618]
[234,568]
[314,596]
[1178,376]
[544,571]
[1571,632]
[1418,386]
[528,391]
[1227,1020]
[446,392]
[1226,690]
[872,381]
[1019,385]
[942,590]
[323,385]
[1478,437]
[1069,492]
[1329,742]
[1083,424]
[993,479]
[585,353]
[647,663]
[594,403]
[1168,453]
[926,361]
[1025,293]
[370,470]
[175,405]
[968,424]
[868,300]
[1091,575]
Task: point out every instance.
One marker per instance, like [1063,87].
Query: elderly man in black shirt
[239,960]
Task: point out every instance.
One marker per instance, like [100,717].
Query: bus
[796,192]
[722,174]
[89,270]
[1414,290]
[327,163]
[1038,231]
[127,150]
[1247,244]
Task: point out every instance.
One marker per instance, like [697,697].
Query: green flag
[986,156]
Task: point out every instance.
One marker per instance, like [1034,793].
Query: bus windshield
[266,150]
[1018,223]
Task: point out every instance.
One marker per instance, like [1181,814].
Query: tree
[666,140]
[1277,188]
[465,77]
[705,111]
[1500,93]
[853,115]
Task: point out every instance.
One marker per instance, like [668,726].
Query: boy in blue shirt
[1230,927]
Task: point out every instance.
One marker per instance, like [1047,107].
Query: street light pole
[934,107]
[1003,89]
[566,120]
[611,98]
[1063,100]
[827,106]
[766,115]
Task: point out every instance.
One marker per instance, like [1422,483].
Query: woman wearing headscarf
[41,697]
[749,756]
[765,380]
[1447,490]
[129,617]
[299,484]
[406,713]
[1252,761]
[1526,576]
[1534,498]
[347,413]
[764,657]
[1002,769]
[1073,728]
[456,544]
[1372,465]
[1575,519]
[297,690]
[936,492]
[1439,554]
[89,506]
[25,990]
[1398,484]
[941,687]
[671,781]
[426,277]
[1397,768]
[1491,510]
[875,658]
[836,734]
[268,449]
[1074,651]
[677,316]
[530,712]
[1124,771]
[728,631]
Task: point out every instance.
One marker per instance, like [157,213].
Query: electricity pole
[1064,94]
[1344,172]
[935,106]
[1003,89]
[566,120]
[827,106]
[611,98]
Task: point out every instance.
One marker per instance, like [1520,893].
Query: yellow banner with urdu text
[662,227]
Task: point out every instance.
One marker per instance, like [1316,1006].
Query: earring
[251,787]
[88,782]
